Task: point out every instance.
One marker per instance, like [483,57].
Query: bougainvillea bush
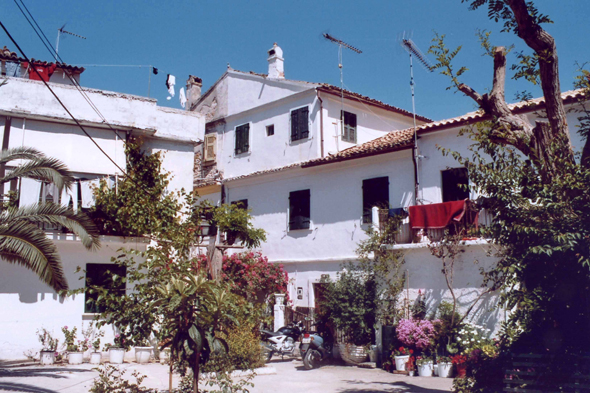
[253,277]
[417,333]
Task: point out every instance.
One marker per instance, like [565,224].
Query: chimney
[193,90]
[275,62]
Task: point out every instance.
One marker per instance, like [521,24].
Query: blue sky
[201,37]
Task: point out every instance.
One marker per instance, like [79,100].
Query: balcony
[468,219]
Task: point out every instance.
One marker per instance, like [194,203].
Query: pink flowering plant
[71,341]
[417,333]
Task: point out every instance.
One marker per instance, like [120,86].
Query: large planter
[142,354]
[95,357]
[445,370]
[400,362]
[47,357]
[75,357]
[425,370]
[116,355]
[352,354]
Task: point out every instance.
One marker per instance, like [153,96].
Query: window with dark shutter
[349,126]
[375,193]
[270,130]
[242,204]
[101,275]
[299,124]
[242,138]
[454,184]
[299,210]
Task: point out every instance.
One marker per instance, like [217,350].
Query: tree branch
[468,91]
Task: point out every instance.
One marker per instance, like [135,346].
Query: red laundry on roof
[439,215]
[45,70]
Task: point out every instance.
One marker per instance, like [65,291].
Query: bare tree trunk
[196,371]
[215,258]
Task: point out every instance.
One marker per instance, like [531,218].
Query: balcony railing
[407,235]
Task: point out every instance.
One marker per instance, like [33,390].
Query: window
[101,275]
[299,124]
[210,147]
[454,182]
[375,193]
[299,210]
[242,203]
[242,138]
[270,130]
[349,126]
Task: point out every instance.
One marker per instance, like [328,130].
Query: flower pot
[47,357]
[95,357]
[373,354]
[445,370]
[425,370]
[435,370]
[352,354]
[411,373]
[164,356]
[400,362]
[75,357]
[142,354]
[461,370]
[116,355]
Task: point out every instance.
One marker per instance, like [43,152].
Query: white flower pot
[142,354]
[164,356]
[445,370]
[400,362]
[411,373]
[47,357]
[425,370]
[116,355]
[75,357]
[95,357]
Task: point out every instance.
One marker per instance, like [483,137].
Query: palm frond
[25,244]
[55,214]
[42,168]
[20,153]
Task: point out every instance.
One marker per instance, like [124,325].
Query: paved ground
[284,376]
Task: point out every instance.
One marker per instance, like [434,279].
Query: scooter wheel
[266,352]
[312,359]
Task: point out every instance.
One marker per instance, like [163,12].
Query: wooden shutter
[349,126]
[299,209]
[294,125]
[304,123]
[242,138]
[375,193]
[210,147]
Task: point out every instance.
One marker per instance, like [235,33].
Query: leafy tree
[22,241]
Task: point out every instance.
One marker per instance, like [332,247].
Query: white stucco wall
[28,304]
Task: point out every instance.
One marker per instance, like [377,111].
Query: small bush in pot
[48,346]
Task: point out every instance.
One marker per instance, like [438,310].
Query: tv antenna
[414,51]
[341,44]
[61,31]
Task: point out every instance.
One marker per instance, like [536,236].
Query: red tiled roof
[7,55]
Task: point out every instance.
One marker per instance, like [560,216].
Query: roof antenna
[341,44]
[413,51]
[61,31]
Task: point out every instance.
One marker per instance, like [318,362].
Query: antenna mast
[413,50]
[61,31]
[341,44]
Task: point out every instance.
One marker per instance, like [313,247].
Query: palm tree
[22,241]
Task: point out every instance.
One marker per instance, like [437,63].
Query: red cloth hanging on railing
[439,215]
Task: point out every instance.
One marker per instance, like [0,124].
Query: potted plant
[401,356]
[96,355]
[460,362]
[49,346]
[116,351]
[411,366]
[425,366]
[143,352]
[75,348]
[445,367]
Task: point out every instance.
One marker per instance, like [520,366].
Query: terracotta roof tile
[7,55]
[263,172]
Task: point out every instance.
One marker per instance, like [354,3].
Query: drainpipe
[5,144]
[321,123]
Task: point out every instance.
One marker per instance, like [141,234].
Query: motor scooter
[314,349]
[283,341]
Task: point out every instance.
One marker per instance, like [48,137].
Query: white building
[311,186]
[31,116]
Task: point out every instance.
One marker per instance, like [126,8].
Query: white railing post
[375,218]
[279,311]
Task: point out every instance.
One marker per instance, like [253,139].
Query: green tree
[22,241]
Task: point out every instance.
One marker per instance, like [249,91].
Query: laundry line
[153,69]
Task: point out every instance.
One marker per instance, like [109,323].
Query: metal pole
[341,93]
[415,150]
[150,69]
[57,43]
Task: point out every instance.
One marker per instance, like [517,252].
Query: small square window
[270,130]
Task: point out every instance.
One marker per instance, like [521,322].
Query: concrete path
[285,376]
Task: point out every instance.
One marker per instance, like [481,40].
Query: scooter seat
[270,333]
